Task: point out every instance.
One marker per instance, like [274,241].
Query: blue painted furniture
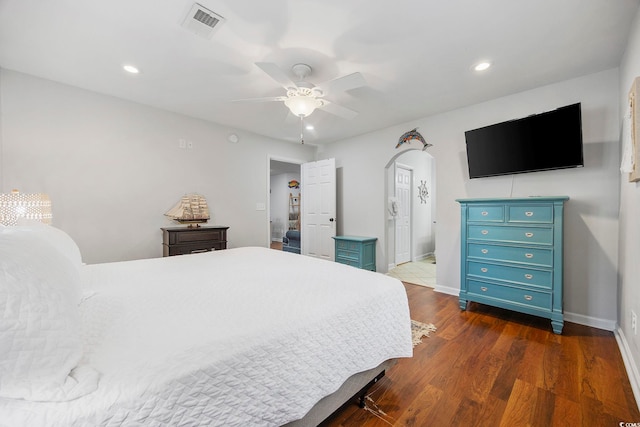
[291,241]
[356,251]
[511,255]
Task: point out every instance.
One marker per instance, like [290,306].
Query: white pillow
[56,237]
[40,341]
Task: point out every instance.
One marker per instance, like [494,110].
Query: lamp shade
[302,105]
[15,206]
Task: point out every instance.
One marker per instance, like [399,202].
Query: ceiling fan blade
[266,99]
[276,74]
[344,83]
[338,110]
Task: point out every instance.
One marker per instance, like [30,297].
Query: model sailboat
[192,209]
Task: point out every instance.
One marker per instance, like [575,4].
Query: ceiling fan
[302,98]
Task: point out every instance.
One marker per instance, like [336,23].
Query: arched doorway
[415,213]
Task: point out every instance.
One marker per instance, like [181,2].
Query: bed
[241,337]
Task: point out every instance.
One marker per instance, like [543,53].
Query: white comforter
[241,337]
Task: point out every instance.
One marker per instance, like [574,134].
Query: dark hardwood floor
[492,367]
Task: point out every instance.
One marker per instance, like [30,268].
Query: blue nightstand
[356,251]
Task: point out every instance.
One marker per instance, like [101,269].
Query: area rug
[419,330]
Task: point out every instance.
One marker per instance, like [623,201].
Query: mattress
[240,337]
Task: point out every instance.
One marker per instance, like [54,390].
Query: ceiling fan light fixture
[302,105]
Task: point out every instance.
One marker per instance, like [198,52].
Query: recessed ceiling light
[481,66]
[310,127]
[130,69]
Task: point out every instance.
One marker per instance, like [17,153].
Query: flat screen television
[545,141]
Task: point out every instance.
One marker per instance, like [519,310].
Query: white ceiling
[416,56]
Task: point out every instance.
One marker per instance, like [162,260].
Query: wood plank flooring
[492,367]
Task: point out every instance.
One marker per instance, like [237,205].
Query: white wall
[629,269]
[591,214]
[113,168]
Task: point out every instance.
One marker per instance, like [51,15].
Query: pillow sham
[60,240]
[40,344]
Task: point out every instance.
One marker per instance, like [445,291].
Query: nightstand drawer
[510,294]
[543,214]
[347,245]
[348,255]
[534,256]
[532,235]
[520,275]
[486,213]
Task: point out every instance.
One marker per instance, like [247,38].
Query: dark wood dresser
[190,240]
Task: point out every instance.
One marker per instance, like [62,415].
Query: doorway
[281,183]
[419,167]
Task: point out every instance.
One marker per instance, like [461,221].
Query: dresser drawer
[533,256]
[542,214]
[520,275]
[486,213]
[532,235]
[510,294]
[193,248]
[197,236]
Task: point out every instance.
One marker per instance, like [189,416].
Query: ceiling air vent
[202,21]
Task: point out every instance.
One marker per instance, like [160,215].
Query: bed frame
[356,385]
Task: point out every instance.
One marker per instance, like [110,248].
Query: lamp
[302,105]
[15,205]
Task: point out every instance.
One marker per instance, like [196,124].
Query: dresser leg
[557,326]
[463,304]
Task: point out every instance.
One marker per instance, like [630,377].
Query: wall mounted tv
[545,141]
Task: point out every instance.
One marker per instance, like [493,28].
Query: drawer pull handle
[528,255]
[485,251]
[483,289]
[528,297]
[485,213]
[528,234]
[484,269]
[198,251]
[528,276]
[485,232]
[528,213]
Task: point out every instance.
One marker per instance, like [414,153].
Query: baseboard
[594,322]
[447,290]
[630,365]
[422,257]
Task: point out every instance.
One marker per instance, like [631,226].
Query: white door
[403,219]
[318,222]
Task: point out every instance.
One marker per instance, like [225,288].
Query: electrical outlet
[634,322]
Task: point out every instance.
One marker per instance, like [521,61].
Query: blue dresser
[511,255]
[356,251]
